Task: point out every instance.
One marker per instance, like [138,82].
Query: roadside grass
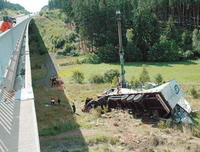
[48,115]
[51,131]
[102,138]
[39,70]
[79,92]
[68,144]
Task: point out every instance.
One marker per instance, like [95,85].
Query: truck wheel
[138,97]
[124,97]
[130,98]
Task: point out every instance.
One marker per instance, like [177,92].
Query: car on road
[8,23]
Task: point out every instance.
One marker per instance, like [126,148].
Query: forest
[153,30]
[5,4]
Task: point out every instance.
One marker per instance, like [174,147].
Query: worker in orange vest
[6,24]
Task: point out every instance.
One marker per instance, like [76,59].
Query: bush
[144,76]
[115,82]
[110,74]
[97,79]
[78,77]
[92,58]
[59,43]
[135,83]
[71,38]
[74,53]
[68,49]
[159,79]
[196,131]
[196,120]
[194,93]
[188,54]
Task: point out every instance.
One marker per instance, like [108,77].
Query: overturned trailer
[163,102]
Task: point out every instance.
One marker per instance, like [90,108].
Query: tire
[114,99]
[124,97]
[138,97]
[130,98]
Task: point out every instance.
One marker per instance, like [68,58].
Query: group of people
[53,101]
[53,80]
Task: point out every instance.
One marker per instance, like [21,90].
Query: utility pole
[121,51]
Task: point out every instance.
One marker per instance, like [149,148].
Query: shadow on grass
[54,121]
[160,64]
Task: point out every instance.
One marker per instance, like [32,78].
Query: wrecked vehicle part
[130,98]
[156,103]
[179,115]
[138,97]
[124,97]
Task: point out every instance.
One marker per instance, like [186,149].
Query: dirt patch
[132,135]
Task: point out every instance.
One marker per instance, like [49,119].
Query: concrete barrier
[10,42]
[20,133]
[28,130]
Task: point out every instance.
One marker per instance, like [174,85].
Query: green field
[184,72]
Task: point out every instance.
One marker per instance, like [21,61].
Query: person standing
[52,100]
[59,101]
[73,108]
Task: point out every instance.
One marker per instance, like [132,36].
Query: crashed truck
[162,102]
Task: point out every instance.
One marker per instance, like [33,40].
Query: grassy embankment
[115,131]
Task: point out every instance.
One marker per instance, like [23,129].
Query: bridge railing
[9,52]
[25,123]
[28,132]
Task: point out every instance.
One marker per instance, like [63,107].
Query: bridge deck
[18,124]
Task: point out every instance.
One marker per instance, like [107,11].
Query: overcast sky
[31,5]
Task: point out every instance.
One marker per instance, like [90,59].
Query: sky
[31,5]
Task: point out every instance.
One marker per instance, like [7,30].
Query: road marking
[3,146]
[7,115]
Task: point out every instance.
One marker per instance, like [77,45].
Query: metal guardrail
[20,133]
[9,52]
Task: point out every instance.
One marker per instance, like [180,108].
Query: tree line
[5,4]
[153,30]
